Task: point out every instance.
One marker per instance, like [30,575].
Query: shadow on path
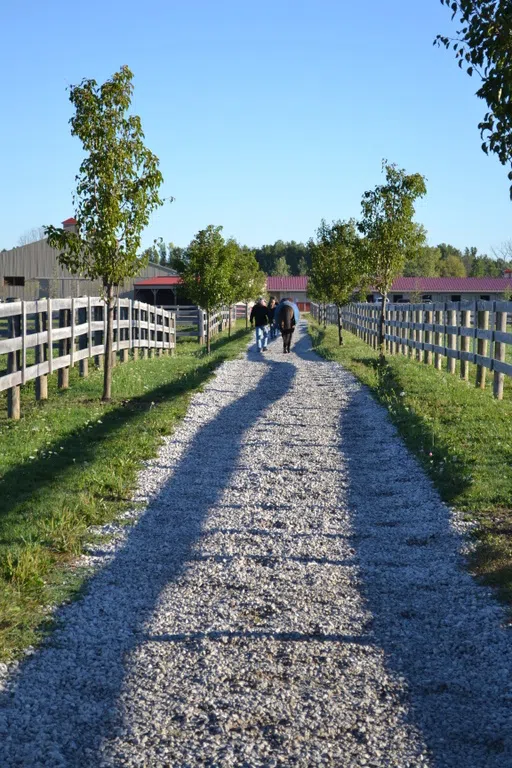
[62,702]
[441,631]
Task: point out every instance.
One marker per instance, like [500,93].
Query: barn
[294,288]
[33,272]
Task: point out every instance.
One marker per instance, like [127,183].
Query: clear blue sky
[267,115]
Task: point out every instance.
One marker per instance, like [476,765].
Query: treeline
[294,258]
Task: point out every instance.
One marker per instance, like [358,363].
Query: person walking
[271,312]
[261,319]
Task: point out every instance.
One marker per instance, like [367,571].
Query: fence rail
[47,335]
[467,332]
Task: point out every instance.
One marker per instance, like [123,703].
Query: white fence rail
[465,332]
[40,337]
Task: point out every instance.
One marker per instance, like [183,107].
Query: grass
[461,435]
[72,462]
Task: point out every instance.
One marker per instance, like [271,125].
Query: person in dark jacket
[272,303]
[261,319]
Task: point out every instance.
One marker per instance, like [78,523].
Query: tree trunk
[340,327]
[109,343]
[382,343]
[246,315]
[208,346]
[325,315]
[229,322]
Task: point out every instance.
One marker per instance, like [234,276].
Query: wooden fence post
[13,393]
[452,340]
[64,349]
[427,355]
[465,341]
[83,342]
[483,325]
[439,315]
[41,381]
[499,354]
[419,335]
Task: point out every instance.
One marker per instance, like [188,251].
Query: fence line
[30,331]
[468,332]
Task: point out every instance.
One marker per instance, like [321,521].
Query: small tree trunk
[325,315]
[109,343]
[382,343]
[246,315]
[208,345]
[229,322]
[340,327]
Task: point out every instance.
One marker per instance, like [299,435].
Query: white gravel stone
[293,594]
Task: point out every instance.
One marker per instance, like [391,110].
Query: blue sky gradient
[266,115]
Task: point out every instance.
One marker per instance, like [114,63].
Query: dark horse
[286,325]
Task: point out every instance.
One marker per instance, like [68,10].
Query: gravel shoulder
[292,594]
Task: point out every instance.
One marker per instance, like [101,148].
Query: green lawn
[461,435]
[71,462]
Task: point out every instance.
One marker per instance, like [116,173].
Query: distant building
[294,288]
[33,272]
[441,289]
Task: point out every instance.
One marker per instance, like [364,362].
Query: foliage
[423,262]
[337,264]
[207,274]
[117,189]
[484,46]
[452,266]
[389,230]
[281,268]
[246,281]
[296,256]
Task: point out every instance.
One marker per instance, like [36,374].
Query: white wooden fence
[40,337]
[469,332]
[191,320]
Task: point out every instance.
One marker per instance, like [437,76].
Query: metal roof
[158,282]
[299,283]
[452,284]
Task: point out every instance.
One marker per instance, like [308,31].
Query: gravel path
[292,595]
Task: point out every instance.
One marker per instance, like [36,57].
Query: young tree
[207,273]
[338,268]
[117,189]
[389,229]
[484,46]
[246,280]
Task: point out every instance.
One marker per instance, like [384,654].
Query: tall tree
[389,229]
[452,266]
[207,273]
[338,268]
[423,262]
[281,268]
[117,189]
[483,46]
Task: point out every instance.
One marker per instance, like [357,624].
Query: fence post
[465,321]
[41,381]
[13,393]
[437,338]
[483,324]
[64,348]
[499,354]
[427,355]
[452,340]
[83,342]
